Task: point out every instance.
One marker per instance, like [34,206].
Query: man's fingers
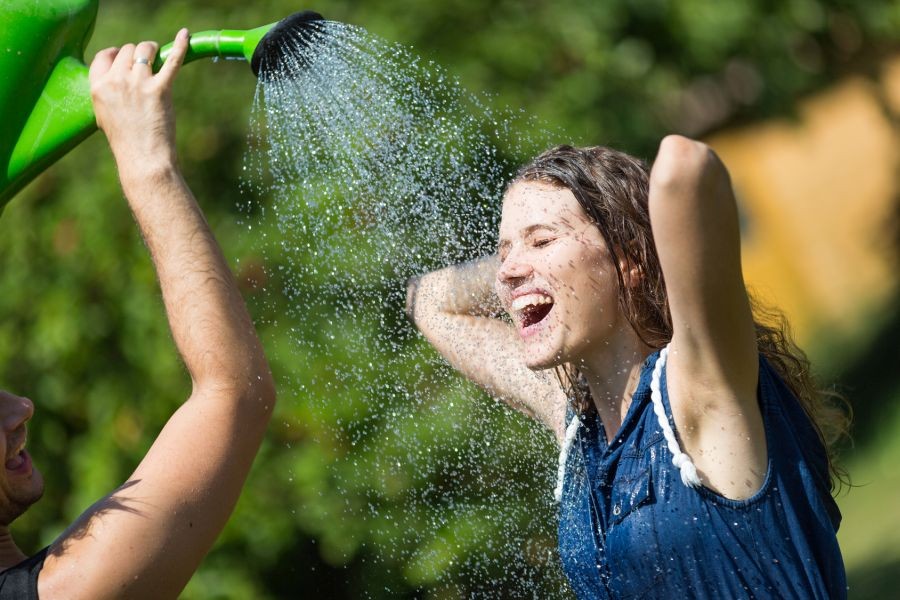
[176,56]
[102,62]
[144,53]
[124,58]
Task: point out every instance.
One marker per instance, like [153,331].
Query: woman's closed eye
[541,242]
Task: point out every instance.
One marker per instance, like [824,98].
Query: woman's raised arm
[713,365]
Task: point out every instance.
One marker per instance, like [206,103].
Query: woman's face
[556,278]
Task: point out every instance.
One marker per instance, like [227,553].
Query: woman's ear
[632,272]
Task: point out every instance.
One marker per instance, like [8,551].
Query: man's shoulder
[19,582]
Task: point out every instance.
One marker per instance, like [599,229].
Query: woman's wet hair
[612,188]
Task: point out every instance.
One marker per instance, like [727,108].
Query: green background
[327,508]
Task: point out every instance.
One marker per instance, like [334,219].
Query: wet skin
[553,254]
[558,282]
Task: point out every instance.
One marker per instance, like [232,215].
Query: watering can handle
[64,115]
[223,43]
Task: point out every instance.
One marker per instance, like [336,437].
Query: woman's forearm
[463,289]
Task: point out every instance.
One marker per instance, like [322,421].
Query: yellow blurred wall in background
[819,198]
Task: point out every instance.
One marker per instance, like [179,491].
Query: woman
[695,454]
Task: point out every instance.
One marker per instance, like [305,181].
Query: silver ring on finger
[142,60]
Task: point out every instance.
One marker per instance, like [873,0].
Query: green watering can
[45,98]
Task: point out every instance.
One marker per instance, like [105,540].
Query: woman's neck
[613,374]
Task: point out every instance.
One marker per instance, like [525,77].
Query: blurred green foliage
[84,333]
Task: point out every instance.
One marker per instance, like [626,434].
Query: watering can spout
[45,92]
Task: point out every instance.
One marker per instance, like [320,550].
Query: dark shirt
[20,581]
[629,527]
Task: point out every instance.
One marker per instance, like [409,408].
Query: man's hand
[133,106]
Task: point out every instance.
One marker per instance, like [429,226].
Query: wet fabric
[20,581]
[629,527]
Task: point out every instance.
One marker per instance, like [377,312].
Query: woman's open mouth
[532,309]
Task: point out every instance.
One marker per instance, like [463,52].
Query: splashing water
[377,166]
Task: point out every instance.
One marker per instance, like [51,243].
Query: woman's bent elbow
[683,162]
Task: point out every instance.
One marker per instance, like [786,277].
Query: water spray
[44,89]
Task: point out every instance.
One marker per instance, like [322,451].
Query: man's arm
[147,538]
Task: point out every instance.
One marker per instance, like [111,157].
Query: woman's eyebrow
[553,227]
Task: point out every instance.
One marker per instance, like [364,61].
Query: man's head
[21,485]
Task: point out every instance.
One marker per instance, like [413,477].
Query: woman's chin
[537,360]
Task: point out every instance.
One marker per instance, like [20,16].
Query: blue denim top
[629,527]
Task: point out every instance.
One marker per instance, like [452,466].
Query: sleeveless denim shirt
[629,527]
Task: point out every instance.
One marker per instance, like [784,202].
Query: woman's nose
[512,269]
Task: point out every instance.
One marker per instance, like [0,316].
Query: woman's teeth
[521,302]
[532,308]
